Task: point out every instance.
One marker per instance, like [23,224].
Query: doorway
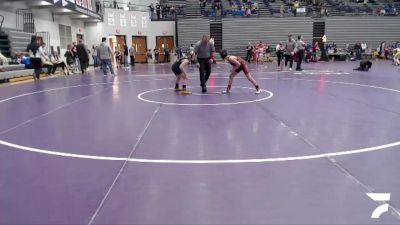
[140,43]
[164,42]
[121,42]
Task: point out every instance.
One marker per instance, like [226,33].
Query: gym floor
[97,149]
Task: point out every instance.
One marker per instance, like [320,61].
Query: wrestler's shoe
[186,92]
[178,89]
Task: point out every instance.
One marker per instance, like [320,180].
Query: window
[65,35]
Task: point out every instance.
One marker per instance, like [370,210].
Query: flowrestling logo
[380,197]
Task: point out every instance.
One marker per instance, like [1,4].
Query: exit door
[164,42]
[140,43]
[121,42]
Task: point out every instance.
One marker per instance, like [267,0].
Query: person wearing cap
[204,50]
[238,65]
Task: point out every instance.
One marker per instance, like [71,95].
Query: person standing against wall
[132,52]
[126,55]
[204,51]
[94,56]
[166,54]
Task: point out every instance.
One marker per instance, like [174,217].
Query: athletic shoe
[186,92]
[226,92]
[258,91]
[290,69]
[204,90]
[178,89]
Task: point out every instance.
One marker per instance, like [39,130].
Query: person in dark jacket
[36,61]
[126,56]
[83,56]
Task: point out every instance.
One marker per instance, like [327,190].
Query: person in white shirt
[364,47]
[94,56]
[280,49]
[46,60]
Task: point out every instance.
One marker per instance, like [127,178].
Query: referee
[204,51]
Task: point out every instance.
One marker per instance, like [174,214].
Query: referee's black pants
[205,71]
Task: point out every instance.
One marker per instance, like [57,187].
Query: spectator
[363,47]
[166,54]
[357,49]
[280,48]
[300,48]
[151,8]
[316,52]
[179,52]
[158,11]
[132,52]
[382,47]
[149,56]
[118,57]
[3,60]
[98,6]
[296,5]
[156,55]
[126,55]
[94,56]
[57,62]
[83,55]
[382,12]
[104,53]
[282,10]
[249,49]
[46,63]
[70,57]
[289,52]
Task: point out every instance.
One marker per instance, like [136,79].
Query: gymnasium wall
[119,22]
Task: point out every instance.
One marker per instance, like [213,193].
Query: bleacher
[13,41]
[271,31]
[267,8]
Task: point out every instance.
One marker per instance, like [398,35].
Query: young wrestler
[180,73]
[238,64]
